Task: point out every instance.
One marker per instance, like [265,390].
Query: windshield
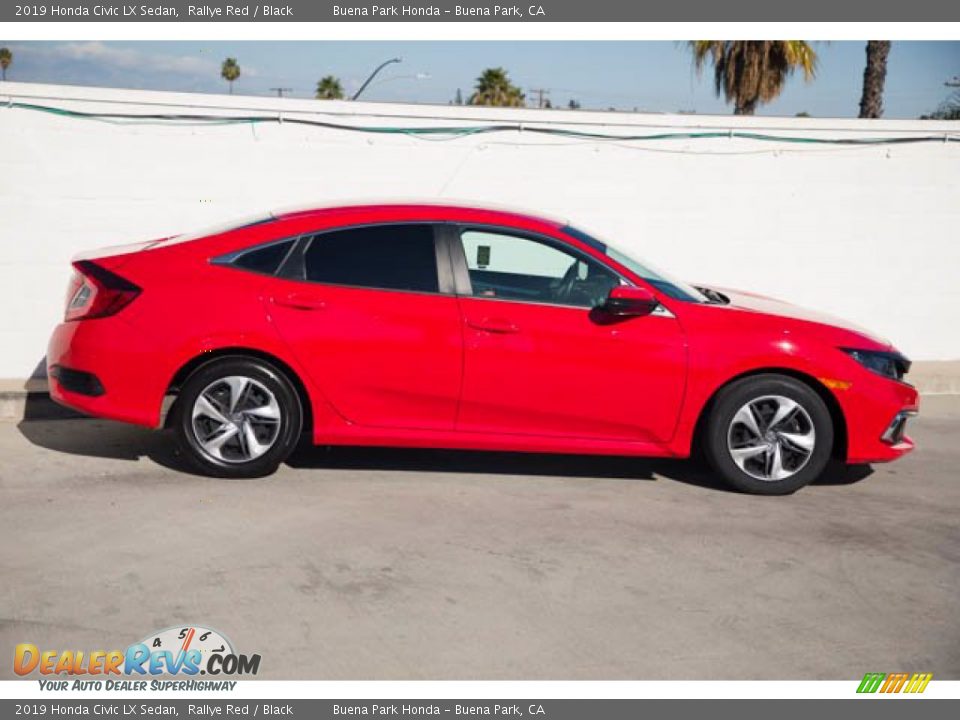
[671,287]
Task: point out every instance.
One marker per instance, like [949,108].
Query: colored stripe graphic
[918,683]
[871,682]
[894,682]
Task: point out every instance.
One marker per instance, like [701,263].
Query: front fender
[718,358]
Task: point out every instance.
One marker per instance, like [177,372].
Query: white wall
[870,234]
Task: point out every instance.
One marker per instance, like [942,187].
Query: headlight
[889,364]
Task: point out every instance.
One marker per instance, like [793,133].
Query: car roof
[442,208]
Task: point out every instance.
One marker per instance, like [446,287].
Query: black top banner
[481,11]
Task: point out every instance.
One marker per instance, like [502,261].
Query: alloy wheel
[236,419]
[771,437]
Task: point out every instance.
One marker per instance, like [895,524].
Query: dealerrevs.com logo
[190,651]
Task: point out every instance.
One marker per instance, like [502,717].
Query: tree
[458,100]
[494,89]
[6,60]
[949,109]
[749,73]
[874,77]
[230,71]
[573,104]
[329,88]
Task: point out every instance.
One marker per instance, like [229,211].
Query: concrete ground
[363,564]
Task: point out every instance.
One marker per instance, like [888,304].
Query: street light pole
[380,67]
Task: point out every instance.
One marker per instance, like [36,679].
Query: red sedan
[461,327]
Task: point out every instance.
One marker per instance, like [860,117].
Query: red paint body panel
[384,359]
[558,373]
[438,370]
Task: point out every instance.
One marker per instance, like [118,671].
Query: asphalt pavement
[388,564]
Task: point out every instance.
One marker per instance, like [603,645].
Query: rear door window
[386,257]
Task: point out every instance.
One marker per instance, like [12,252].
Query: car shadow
[48,426]
[90,437]
[503,463]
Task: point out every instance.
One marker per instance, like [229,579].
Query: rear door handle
[494,325]
[299,301]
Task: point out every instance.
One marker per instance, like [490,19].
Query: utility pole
[541,94]
[281,91]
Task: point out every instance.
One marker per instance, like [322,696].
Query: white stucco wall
[867,233]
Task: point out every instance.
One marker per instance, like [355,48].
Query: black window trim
[294,266]
[461,270]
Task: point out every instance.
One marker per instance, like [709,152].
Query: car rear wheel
[237,417]
[769,434]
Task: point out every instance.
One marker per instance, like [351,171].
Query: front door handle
[299,301]
[494,325]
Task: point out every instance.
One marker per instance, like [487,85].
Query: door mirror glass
[625,301]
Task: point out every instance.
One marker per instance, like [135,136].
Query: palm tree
[874,77]
[230,71]
[752,72]
[329,88]
[495,89]
[6,60]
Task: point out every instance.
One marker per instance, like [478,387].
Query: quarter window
[264,259]
[389,257]
[511,267]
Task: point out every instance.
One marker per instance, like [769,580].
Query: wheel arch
[839,450]
[209,356]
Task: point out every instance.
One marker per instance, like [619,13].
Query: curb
[936,378]
[17,406]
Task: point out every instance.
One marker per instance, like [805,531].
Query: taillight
[95,292]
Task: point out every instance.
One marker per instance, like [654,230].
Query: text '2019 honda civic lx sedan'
[461,327]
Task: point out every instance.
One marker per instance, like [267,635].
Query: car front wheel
[237,417]
[769,434]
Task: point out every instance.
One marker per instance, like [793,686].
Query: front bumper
[895,432]
[877,410]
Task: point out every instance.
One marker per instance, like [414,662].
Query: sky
[639,75]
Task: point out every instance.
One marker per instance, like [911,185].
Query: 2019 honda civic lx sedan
[462,327]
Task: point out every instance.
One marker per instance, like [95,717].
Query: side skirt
[453,440]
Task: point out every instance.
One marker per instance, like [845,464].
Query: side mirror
[624,302]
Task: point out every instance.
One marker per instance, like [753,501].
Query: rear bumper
[103,367]
[877,412]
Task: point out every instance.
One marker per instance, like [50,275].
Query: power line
[541,94]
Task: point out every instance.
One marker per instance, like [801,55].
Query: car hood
[743,300]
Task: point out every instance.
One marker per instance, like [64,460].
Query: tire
[237,417]
[758,453]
